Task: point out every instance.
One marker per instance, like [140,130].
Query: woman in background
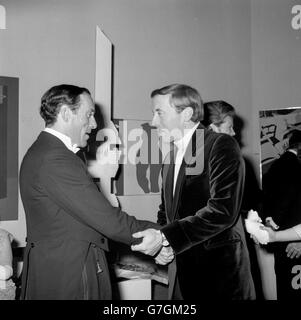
[219,116]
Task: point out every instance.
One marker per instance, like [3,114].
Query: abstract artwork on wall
[137,175]
[275,128]
[3,142]
[141,160]
[9,120]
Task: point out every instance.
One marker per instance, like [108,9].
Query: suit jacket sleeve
[226,179]
[71,188]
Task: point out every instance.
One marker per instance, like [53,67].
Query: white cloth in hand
[254,227]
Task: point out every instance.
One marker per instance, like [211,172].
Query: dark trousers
[221,273]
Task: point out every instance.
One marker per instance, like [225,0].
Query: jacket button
[93,245]
[32,245]
[102,240]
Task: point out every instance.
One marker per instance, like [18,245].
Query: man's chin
[82,144]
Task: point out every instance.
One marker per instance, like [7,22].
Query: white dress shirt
[65,139]
[182,145]
[293,151]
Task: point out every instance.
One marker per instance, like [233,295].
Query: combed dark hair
[56,96]
[182,97]
[216,111]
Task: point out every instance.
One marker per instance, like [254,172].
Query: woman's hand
[271,232]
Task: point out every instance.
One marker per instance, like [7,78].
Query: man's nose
[93,123]
[155,121]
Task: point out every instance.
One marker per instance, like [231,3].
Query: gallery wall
[216,46]
[276,60]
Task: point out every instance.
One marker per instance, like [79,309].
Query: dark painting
[9,121]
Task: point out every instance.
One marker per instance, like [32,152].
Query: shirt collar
[65,139]
[184,141]
[293,151]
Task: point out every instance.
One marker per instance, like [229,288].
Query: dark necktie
[171,170]
[82,155]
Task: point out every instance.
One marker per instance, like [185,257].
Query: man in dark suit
[201,201]
[282,202]
[68,219]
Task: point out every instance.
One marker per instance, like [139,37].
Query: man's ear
[214,128]
[65,113]
[187,114]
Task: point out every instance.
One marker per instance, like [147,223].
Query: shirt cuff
[165,242]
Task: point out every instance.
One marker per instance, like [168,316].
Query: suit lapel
[192,164]
[178,188]
[167,180]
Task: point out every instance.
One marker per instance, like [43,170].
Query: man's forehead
[87,101]
[160,101]
[163,103]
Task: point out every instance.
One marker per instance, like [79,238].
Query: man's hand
[165,256]
[293,250]
[151,242]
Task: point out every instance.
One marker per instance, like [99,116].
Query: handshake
[154,244]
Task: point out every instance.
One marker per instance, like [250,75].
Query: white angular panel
[103,73]
[2,17]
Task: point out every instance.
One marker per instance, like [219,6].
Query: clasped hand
[152,244]
[165,256]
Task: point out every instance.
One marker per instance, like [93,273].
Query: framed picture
[9,121]
[275,127]
[141,160]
